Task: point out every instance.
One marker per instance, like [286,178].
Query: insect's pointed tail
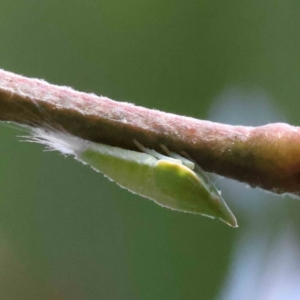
[227,216]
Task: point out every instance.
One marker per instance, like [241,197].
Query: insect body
[170,182]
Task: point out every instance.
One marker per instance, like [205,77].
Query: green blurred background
[67,232]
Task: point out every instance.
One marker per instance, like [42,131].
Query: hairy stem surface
[266,156]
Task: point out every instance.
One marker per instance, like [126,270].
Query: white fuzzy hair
[56,140]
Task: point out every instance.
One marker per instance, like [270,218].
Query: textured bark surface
[266,156]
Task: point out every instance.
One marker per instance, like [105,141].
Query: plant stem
[266,156]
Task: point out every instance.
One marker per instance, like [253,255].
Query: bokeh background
[67,232]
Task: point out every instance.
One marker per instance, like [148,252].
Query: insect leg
[186,162]
[156,154]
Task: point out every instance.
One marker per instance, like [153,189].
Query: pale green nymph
[169,181]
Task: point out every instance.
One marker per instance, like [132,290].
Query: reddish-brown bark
[266,156]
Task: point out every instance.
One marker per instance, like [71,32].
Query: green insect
[170,181]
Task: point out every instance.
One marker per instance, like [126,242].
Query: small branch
[266,156]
